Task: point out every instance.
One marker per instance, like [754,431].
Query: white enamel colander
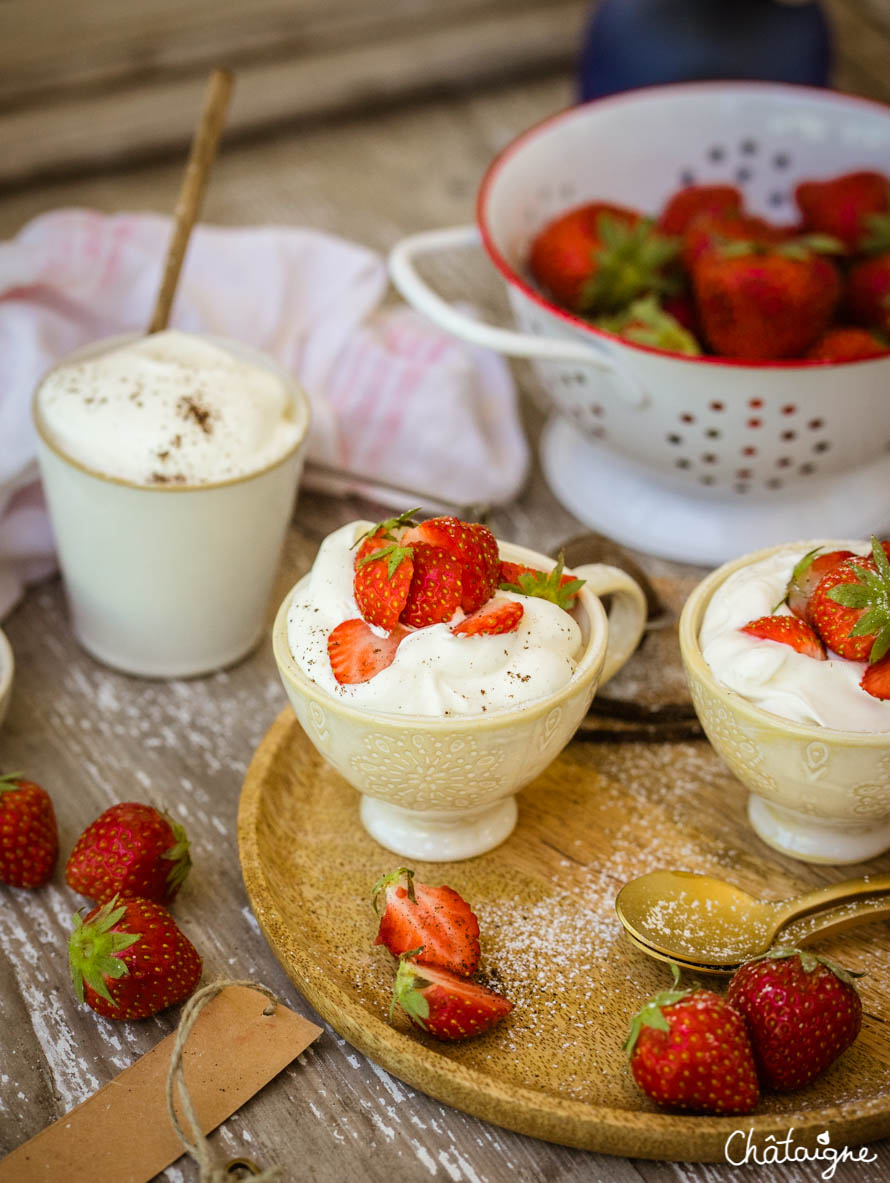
[693,458]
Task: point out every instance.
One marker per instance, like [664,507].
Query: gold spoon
[706,921]
[817,926]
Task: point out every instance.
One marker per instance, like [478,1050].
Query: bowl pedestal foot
[437,836]
[816,840]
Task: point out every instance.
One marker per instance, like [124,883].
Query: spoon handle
[816,927]
[836,893]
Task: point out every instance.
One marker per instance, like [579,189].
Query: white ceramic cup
[443,787]
[168,581]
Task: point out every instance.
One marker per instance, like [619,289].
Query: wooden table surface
[94,737]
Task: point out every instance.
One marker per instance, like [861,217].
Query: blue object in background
[632,43]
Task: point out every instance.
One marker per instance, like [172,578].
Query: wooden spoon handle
[191,195]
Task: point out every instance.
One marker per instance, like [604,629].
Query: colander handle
[421,296]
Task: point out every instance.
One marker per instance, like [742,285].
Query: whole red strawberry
[850,608]
[709,231]
[695,200]
[357,654]
[868,292]
[597,258]
[765,303]
[802,1012]
[647,322]
[445,1005]
[129,959]
[130,849]
[807,575]
[436,918]
[29,839]
[689,1049]
[849,343]
[842,206]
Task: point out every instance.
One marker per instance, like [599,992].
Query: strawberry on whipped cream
[775,676]
[435,671]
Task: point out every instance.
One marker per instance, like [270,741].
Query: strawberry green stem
[93,950]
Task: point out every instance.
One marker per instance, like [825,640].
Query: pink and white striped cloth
[394,399]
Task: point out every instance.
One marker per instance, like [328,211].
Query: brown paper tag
[123,1134]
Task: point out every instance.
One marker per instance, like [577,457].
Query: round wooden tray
[555,1068]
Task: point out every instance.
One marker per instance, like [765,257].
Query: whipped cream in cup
[434,672]
[170,465]
[439,742]
[772,675]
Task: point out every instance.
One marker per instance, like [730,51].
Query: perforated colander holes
[704,446]
[743,164]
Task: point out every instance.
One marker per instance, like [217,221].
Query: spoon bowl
[702,920]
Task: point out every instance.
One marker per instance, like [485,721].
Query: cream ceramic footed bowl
[818,794]
[442,788]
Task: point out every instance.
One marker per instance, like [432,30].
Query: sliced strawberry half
[436,918]
[356,652]
[436,587]
[472,545]
[443,1004]
[381,583]
[503,617]
[806,576]
[876,679]
[555,586]
[787,630]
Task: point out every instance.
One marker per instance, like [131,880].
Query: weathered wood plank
[93,129]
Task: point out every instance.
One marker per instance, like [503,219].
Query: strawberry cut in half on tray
[787,630]
[130,849]
[436,918]
[129,959]
[29,839]
[850,607]
[445,1005]
[470,544]
[802,1011]
[690,1050]
[357,653]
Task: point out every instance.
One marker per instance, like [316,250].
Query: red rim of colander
[513,277]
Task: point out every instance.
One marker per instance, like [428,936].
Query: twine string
[193,1140]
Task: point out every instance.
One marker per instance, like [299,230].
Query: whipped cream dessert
[434,672]
[170,409]
[772,675]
